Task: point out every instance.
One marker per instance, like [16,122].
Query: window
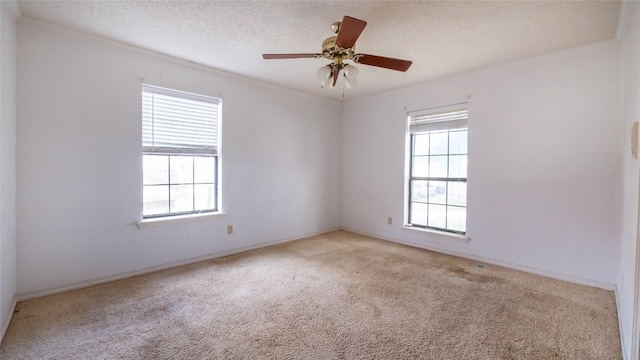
[438,171]
[180,144]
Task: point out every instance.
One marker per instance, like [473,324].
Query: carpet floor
[334,296]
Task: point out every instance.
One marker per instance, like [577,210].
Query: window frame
[411,178]
[190,150]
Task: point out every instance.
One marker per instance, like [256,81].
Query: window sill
[440,234]
[179,219]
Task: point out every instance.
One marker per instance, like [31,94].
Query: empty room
[319,179]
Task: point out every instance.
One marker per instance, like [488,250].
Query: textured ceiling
[441,38]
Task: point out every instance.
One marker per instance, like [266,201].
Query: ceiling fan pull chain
[343,88]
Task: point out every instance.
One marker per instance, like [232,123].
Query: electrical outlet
[229,229]
[390,220]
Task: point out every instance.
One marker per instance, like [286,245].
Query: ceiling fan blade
[350,31]
[335,75]
[383,62]
[290,56]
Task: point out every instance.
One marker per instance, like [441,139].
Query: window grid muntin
[447,179]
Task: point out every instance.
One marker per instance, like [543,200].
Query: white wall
[626,281]
[79,161]
[8,13]
[543,142]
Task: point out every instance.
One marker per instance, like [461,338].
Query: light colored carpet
[338,295]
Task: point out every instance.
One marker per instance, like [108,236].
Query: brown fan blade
[383,62]
[350,31]
[290,56]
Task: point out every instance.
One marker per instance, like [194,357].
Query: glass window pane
[457,218]
[420,166]
[155,200]
[437,216]
[458,142]
[205,169]
[181,198]
[419,190]
[458,166]
[438,142]
[418,214]
[438,191]
[421,144]
[181,170]
[155,169]
[457,193]
[438,166]
[205,197]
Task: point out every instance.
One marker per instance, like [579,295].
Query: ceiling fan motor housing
[329,44]
[334,52]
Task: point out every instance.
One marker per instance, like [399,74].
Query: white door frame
[635,327]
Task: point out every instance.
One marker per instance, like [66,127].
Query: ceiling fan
[341,47]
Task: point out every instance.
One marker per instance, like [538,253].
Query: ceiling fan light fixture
[324,73]
[351,72]
[349,83]
[328,83]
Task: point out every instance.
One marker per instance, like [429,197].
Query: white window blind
[451,119]
[179,122]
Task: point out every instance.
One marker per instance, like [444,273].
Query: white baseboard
[97,281]
[506,264]
[7,319]
[623,348]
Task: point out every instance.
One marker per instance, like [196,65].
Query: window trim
[177,219]
[438,233]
